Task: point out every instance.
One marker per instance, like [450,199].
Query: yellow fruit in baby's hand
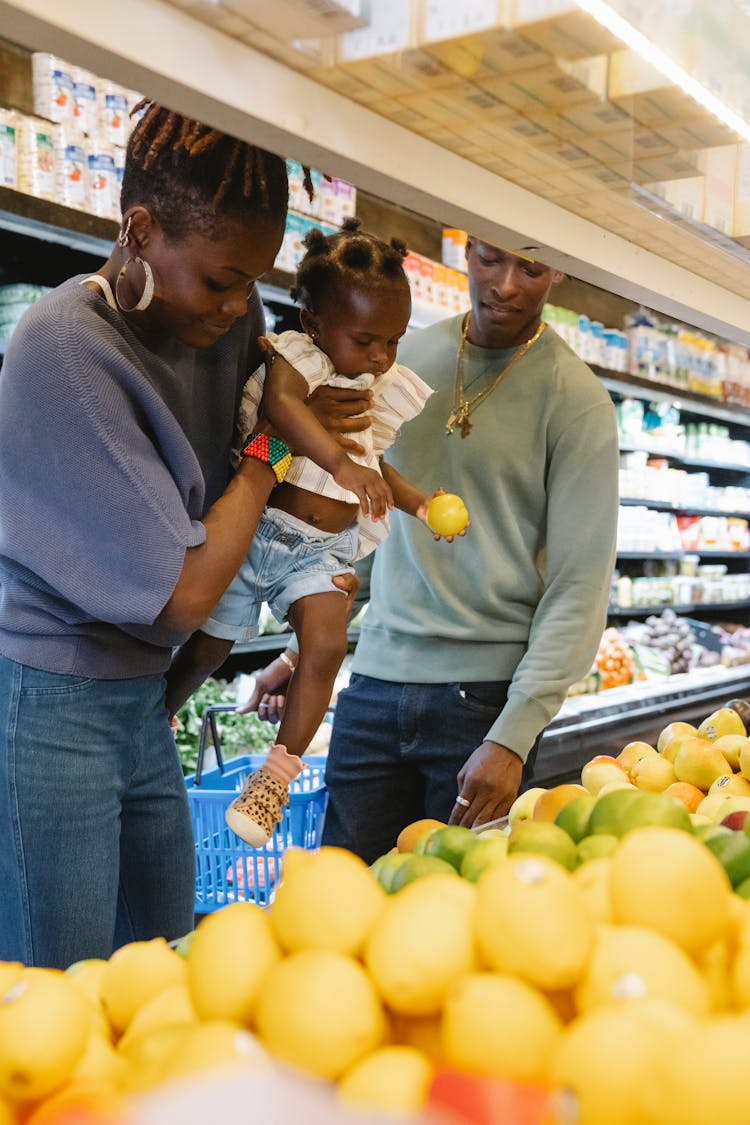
[327,899]
[135,973]
[721,722]
[319,1011]
[394,1080]
[421,944]
[667,880]
[229,958]
[447,514]
[532,921]
[497,1025]
[44,1026]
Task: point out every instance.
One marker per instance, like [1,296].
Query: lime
[743,889]
[385,867]
[484,854]
[542,838]
[417,867]
[595,847]
[573,818]
[450,843]
[607,815]
[733,853]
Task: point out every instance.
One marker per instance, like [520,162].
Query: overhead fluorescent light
[638,42]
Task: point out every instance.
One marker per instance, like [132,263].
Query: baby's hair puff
[350,258]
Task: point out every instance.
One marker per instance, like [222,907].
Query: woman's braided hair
[194,178]
[351,258]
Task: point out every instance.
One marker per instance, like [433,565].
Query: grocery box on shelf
[228,870]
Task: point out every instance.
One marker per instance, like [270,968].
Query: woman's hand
[342,412]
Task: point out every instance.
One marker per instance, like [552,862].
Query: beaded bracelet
[271,450]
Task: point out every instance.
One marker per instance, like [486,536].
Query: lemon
[499,1026]
[532,920]
[135,973]
[674,731]
[459,891]
[596,847]
[100,1062]
[169,1008]
[666,880]
[701,1079]
[393,1080]
[592,879]
[419,867]
[628,962]
[606,1059]
[715,965]
[420,945]
[320,1012]
[44,1025]
[147,1057]
[740,972]
[230,956]
[7,1116]
[447,514]
[541,837]
[721,722]
[327,900]
[210,1044]
[88,1102]
[422,1032]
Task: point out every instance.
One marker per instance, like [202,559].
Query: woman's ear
[142,225]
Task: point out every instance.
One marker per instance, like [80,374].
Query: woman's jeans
[395,753]
[96,845]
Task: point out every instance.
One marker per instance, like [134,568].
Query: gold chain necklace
[463,406]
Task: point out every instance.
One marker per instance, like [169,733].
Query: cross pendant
[450,424]
[463,422]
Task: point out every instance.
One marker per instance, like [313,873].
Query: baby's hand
[372,491]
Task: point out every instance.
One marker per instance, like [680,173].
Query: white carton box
[302,19]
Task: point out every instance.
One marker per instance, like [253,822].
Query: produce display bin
[228,870]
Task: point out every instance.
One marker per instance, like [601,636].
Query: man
[467,649]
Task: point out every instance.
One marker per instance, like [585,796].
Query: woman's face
[201,284]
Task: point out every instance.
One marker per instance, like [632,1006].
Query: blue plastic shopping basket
[227,870]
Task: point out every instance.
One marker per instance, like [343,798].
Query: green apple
[523,806]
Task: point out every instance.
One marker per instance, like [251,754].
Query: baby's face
[360,331]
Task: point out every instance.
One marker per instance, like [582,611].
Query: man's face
[507,293]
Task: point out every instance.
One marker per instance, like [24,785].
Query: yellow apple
[653,773]
[600,770]
[700,763]
[745,759]
[721,722]
[731,746]
[631,754]
[610,785]
[713,807]
[523,806]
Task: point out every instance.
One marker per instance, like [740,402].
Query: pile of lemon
[624,986]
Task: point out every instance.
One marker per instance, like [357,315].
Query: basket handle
[208,723]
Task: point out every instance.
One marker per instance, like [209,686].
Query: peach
[600,770]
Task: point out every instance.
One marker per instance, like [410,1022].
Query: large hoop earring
[147,295]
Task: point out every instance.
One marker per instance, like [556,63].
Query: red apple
[735,820]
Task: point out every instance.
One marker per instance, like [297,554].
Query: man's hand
[489,781]
[342,412]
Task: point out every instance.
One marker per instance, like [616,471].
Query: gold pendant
[450,424]
[462,421]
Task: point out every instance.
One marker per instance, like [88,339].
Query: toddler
[331,507]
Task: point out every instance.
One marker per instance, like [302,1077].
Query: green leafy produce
[239,734]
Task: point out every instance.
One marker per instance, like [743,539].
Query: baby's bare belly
[319,511]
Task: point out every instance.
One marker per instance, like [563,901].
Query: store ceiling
[560,107]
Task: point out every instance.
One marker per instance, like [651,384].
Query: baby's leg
[319,621]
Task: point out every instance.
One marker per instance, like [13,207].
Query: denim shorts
[288,560]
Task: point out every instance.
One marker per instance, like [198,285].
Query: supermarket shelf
[624,384]
[604,723]
[680,509]
[53,222]
[683,459]
[682,554]
[686,608]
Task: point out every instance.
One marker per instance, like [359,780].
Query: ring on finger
[462,801]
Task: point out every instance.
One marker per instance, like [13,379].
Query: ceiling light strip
[637,41]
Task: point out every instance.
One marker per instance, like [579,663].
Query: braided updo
[350,258]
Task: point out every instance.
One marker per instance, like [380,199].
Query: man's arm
[581,541]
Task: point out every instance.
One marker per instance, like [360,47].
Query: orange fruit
[408,837]
[550,802]
[86,1103]
[689,795]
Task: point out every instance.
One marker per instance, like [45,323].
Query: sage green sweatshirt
[523,596]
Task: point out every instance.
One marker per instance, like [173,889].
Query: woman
[119,532]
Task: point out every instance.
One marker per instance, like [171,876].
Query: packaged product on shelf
[38,156]
[85,102]
[8,148]
[292,246]
[73,169]
[52,80]
[454,249]
[102,189]
[113,113]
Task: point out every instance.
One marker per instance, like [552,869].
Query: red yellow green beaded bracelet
[272,450]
